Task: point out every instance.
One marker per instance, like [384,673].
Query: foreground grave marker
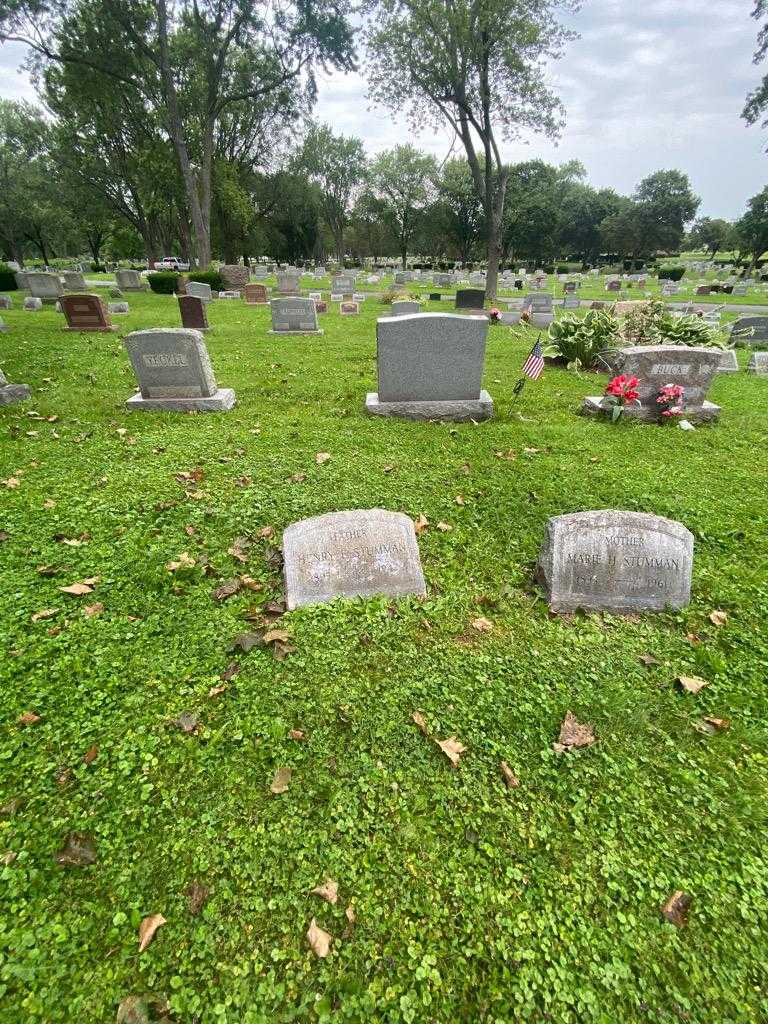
[351,554]
[615,561]
[174,372]
[85,313]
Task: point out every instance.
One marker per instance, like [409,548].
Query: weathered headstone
[349,308]
[510,317]
[229,294]
[750,330]
[343,283]
[5,302]
[256,295]
[613,286]
[295,315]
[118,308]
[470,298]
[404,307]
[616,561]
[658,365]
[33,304]
[758,364]
[46,287]
[538,303]
[430,366]
[337,297]
[74,281]
[359,296]
[234,276]
[351,554]
[200,289]
[288,283]
[193,312]
[728,362]
[4,328]
[85,313]
[21,279]
[174,372]
[130,281]
[11,393]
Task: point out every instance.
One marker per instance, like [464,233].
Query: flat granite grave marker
[404,307]
[351,554]
[294,316]
[130,281]
[430,366]
[615,561]
[349,308]
[232,295]
[658,365]
[337,297]
[11,393]
[470,298]
[33,303]
[256,295]
[174,372]
[750,330]
[193,312]
[85,313]
[758,364]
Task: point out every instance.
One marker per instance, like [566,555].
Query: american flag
[534,364]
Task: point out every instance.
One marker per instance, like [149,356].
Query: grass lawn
[471,902]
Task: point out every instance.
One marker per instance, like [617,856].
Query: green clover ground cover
[471,901]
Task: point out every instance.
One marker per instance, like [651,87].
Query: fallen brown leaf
[482,625]
[648,660]
[418,718]
[452,749]
[197,896]
[420,524]
[676,908]
[187,722]
[710,725]
[216,691]
[12,482]
[147,929]
[692,684]
[227,589]
[91,754]
[573,734]
[93,609]
[444,527]
[296,734]
[280,781]
[46,613]
[693,639]
[329,891]
[350,914]
[718,617]
[322,457]
[273,635]
[266,532]
[77,589]
[29,718]
[459,499]
[319,940]
[509,776]
[184,561]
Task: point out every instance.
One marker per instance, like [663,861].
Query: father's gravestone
[294,316]
[85,313]
[616,562]
[758,364]
[46,287]
[130,281]
[193,312]
[174,372]
[470,298]
[351,554]
[658,365]
[750,330]
[255,295]
[404,307]
[430,366]
[11,393]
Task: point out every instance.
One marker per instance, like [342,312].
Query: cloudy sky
[648,86]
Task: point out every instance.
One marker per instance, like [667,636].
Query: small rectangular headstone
[349,308]
[12,393]
[193,312]
[232,295]
[256,295]
[470,298]
[74,281]
[174,372]
[758,364]
[5,302]
[728,362]
[616,561]
[360,553]
[295,315]
[200,289]
[33,304]
[85,313]
[130,281]
[337,297]
[405,307]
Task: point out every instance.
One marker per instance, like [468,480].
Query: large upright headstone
[288,283]
[351,554]
[234,276]
[255,295]
[130,281]
[343,283]
[470,298]
[11,393]
[750,330]
[616,561]
[193,312]
[74,281]
[294,316]
[430,366]
[85,313]
[46,287]
[174,372]
[658,365]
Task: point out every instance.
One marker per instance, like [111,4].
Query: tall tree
[336,164]
[752,228]
[403,179]
[709,234]
[457,215]
[477,66]
[757,101]
[665,204]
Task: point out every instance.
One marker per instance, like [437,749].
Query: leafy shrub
[7,279]
[670,273]
[578,339]
[563,269]
[390,296]
[651,323]
[209,277]
[691,331]
[163,282]
[98,268]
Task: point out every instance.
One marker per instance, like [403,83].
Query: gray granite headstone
[728,361]
[539,302]
[200,290]
[5,302]
[118,307]
[470,298]
[750,330]
[657,365]
[46,287]
[11,393]
[758,364]
[404,307]
[130,281]
[33,303]
[174,372]
[351,554]
[4,328]
[343,283]
[74,281]
[294,316]
[616,561]
[288,283]
[430,366]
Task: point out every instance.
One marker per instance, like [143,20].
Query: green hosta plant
[691,331]
[578,339]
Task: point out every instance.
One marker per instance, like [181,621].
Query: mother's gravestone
[174,372]
[351,554]
[616,561]
[294,316]
[658,365]
[430,366]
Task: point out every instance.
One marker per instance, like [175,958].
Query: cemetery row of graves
[376,652]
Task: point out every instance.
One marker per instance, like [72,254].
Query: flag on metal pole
[533,367]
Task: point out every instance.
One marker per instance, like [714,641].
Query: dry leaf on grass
[81,588]
[147,929]
[444,527]
[718,617]
[12,482]
[350,914]
[266,532]
[184,561]
[420,524]
[216,691]
[319,940]
[28,718]
[459,499]
[281,781]
[710,725]
[239,549]
[197,896]
[692,684]
[573,734]
[676,908]
[452,749]
[93,609]
[328,891]
[279,635]
[509,776]
[227,589]
[482,625]
[322,457]
[296,734]
[418,718]
[45,613]
[187,722]
[91,754]
[78,851]
[648,660]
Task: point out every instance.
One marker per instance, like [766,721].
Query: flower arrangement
[494,315]
[670,398]
[621,392]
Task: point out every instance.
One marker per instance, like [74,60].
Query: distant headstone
[193,312]
[85,313]
[74,281]
[616,561]
[21,280]
[538,303]
[728,362]
[571,302]
[200,289]
[288,283]
[130,281]
[5,302]
[234,276]
[229,294]
[349,308]
[320,306]
[351,554]
[430,366]
[613,286]
[337,297]
[510,317]
[46,287]
[540,319]
[657,365]
[294,316]
[569,287]
[405,307]
[33,304]
[750,330]
[435,296]
[174,372]
[118,307]
[758,364]
[703,289]
[256,295]
[470,298]
[4,328]
[11,393]
[343,283]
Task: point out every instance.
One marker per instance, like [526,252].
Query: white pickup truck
[171,263]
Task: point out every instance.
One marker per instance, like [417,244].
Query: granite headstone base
[457,410]
[708,412]
[221,401]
